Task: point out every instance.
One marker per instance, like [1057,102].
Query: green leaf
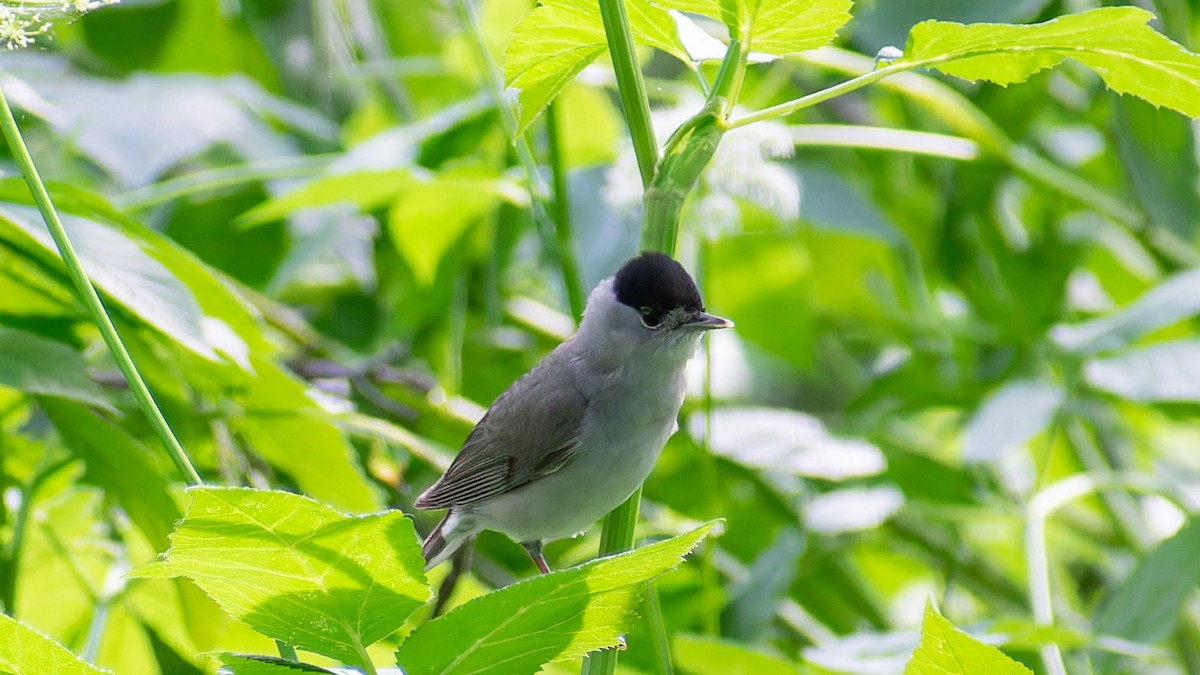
[548,618]
[253,664]
[1146,607]
[1011,416]
[945,650]
[284,426]
[24,651]
[1171,301]
[140,283]
[1168,371]
[455,203]
[1115,42]
[366,190]
[561,37]
[704,655]
[36,365]
[776,27]
[298,571]
[120,465]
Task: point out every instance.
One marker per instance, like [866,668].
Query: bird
[575,436]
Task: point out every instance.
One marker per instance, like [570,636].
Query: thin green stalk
[562,255]
[91,300]
[808,101]
[20,523]
[630,86]
[562,212]
[286,651]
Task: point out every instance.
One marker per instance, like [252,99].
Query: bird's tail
[450,534]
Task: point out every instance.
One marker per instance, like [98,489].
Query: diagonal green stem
[91,300]
[630,86]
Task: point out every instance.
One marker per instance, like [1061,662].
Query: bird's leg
[534,549]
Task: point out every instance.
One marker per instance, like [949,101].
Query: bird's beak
[706,321]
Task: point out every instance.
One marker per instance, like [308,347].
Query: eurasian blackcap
[576,435]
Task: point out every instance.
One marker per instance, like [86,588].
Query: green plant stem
[91,300]
[286,651]
[20,523]
[630,86]
[562,255]
[619,525]
[562,211]
[224,177]
[808,101]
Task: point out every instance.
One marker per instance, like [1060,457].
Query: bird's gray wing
[531,430]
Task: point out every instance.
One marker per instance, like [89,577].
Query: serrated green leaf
[298,571]
[1172,300]
[36,365]
[366,190]
[24,651]
[253,664]
[552,617]
[561,37]
[946,650]
[1115,42]
[776,27]
[1169,371]
[1146,607]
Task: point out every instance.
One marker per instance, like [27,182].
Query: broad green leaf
[1011,416]
[253,664]
[945,650]
[548,618]
[140,283]
[24,651]
[299,571]
[284,426]
[561,37]
[1115,42]
[121,466]
[1171,301]
[1146,607]
[776,27]
[752,602]
[454,203]
[36,365]
[367,190]
[704,655]
[1169,371]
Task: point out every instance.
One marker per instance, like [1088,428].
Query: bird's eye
[647,310]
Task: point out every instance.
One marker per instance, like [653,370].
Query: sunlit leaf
[776,27]
[36,365]
[775,439]
[1146,607]
[1172,300]
[140,283]
[1009,418]
[24,651]
[366,190]
[298,571]
[547,618]
[945,650]
[852,509]
[121,466]
[1115,42]
[253,664]
[283,425]
[1168,371]
[560,37]
[427,220]
[704,655]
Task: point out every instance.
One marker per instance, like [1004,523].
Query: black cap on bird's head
[656,286]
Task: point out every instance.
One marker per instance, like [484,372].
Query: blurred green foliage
[325,255]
